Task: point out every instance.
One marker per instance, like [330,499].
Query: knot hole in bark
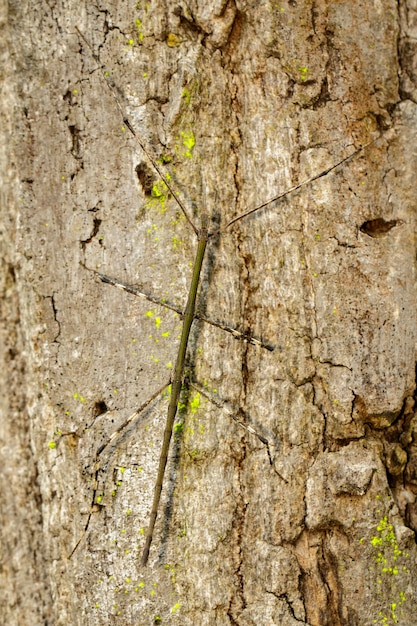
[146,178]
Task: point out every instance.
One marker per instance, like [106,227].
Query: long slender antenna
[145,149]
[291,189]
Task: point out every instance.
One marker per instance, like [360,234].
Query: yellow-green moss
[389,563]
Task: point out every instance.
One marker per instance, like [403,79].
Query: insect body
[188,315]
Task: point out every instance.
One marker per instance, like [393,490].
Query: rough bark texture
[242,99]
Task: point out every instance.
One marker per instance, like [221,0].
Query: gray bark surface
[241,100]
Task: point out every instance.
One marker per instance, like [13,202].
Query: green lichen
[152,230]
[389,551]
[162,334]
[164,159]
[176,608]
[303,73]
[159,196]
[171,569]
[173,41]
[139,34]
[182,532]
[297,70]
[195,402]
[176,243]
[390,563]
[186,96]
[188,142]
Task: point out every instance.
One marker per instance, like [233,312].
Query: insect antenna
[145,148]
[289,191]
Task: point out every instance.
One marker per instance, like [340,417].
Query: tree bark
[240,100]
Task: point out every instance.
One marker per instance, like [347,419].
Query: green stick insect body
[176,383]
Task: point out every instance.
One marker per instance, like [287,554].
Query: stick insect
[203,236]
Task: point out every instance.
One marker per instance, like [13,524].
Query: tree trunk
[240,100]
